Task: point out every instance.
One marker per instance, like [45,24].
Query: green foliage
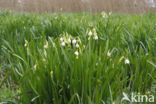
[49,69]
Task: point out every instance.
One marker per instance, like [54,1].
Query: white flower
[46,45]
[69,40]
[77,45]
[94,31]
[61,39]
[74,41]
[127,61]
[35,66]
[110,13]
[76,53]
[26,43]
[108,54]
[90,33]
[63,44]
[104,15]
[96,37]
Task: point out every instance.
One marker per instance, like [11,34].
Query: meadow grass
[76,58]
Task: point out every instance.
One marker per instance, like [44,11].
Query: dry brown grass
[125,6]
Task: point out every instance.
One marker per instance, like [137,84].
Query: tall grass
[49,72]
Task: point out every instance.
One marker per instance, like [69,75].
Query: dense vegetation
[76,58]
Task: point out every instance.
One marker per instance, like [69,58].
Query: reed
[124,6]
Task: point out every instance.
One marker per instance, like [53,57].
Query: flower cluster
[105,15]
[92,33]
[67,40]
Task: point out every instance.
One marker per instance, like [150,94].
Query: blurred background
[39,6]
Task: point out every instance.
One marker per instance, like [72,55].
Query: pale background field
[125,6]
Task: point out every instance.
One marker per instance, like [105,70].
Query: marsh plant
[77,58]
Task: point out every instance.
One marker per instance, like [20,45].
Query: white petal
[63,44]
[96,37]
[61,39]
[108,54]
[76,53]
[74,41]
[90,33]
[127,61]
[77,45]
[69,40]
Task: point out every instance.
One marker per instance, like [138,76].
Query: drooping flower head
[77,45]
[26,43]
[77,54]
[90,33]
[108,54]
[61,39]
[96,37]
[104,14]
[95,34]
[46,45]
[127,61]
[74,41]
[63,44]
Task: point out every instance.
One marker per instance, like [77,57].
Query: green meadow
[76,58]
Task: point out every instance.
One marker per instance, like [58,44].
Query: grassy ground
[76,58]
